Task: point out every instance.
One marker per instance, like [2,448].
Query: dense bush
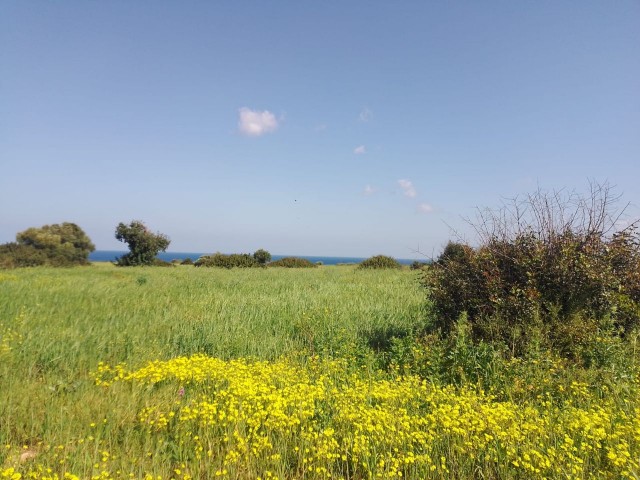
[558,279]
[380,261]
[143,244]
[293,262]
[417,265]
[58,245]
[187,261]
[262,256]
[234,260]
[14,255]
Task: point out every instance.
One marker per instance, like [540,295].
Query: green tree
[58,245]
[143,244]
[262,256]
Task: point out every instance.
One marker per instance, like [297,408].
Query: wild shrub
[57,245]
[14,255]
[157,262]
[293,262]
[187,261]
[234,260]
[380,262]
[417,265]
[548,271]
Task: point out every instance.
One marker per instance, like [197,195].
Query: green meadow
[70,319]
[159,373]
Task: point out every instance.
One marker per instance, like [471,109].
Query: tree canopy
[61,245]
[262,256]
[144,245]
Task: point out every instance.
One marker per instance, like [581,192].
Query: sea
[111,255]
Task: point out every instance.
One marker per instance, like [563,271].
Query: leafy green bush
[293,262]
[187,261]
[234,260]
[453,251]
[380,261]
[557,280]
[58,245]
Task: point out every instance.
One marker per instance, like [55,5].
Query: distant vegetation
[234,260]
[293,262]
[57,245]
[380,262]
[144,245]
[262,256]
[417,265]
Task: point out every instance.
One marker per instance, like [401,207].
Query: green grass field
[189,372]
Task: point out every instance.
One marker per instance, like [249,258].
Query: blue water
[111,255]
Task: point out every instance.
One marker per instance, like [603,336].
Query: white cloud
[369,190]
[360,150]
[255,123]
[408,188]
[365,115]
[425,208]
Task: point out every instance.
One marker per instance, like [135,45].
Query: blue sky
[309,128]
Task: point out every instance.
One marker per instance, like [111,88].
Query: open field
[184,373]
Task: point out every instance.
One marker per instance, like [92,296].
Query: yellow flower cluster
[10,474]
[245,419]
[38,474]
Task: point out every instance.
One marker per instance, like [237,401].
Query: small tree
[262,256]
[143,244]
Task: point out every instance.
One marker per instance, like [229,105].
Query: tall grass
[60,323]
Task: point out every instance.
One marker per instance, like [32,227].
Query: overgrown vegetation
[57,245]
[550,271]
[234,260]
[321,364]
[380,261]
[293,262]
[417,265]
[144,245]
